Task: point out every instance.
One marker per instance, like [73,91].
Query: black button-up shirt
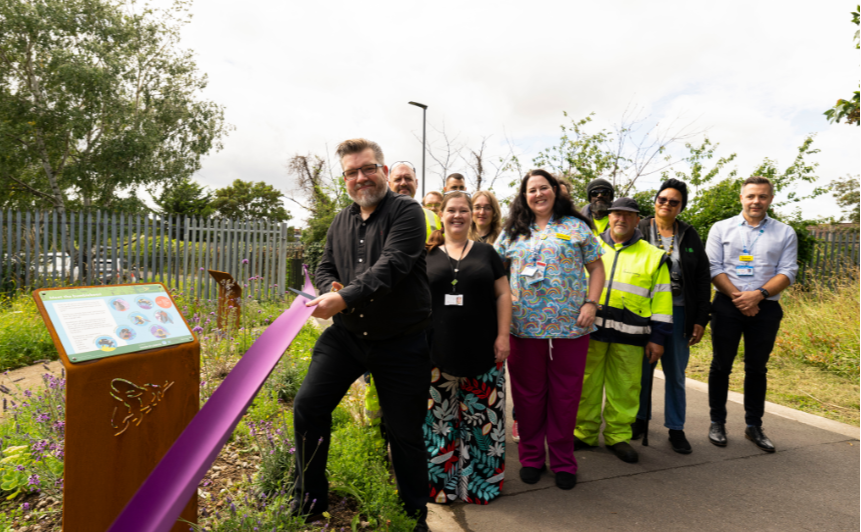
[381,263]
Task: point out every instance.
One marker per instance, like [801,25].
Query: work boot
[580,445]
[679,443]
[625,452]
[638,428]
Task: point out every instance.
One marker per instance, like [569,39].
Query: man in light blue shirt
[752,258]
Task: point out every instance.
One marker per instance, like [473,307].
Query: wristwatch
[765,293]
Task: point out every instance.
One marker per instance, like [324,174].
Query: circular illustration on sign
[138,319]
[106,343]
[158,331]
[144,303]
[163,317]
[163,301]
[120,304]
[126,333]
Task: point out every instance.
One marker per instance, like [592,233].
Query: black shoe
[422,522]
[311,509]
[717,434]
[679,443]
[638,428]
[531,475]
[756,435]
[580,445]
[625,452]
[565,481]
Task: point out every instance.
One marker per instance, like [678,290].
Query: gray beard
[371,199]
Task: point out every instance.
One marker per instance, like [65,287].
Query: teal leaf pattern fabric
[465,436]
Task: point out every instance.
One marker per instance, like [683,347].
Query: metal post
[424,140]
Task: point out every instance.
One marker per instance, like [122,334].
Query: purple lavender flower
[25,506]
[33,480]
[244,261]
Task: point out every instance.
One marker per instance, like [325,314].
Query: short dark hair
[455,176]
[758,180]
[520,216]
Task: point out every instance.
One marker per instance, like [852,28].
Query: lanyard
[536,251]
[749,249]
[456,268]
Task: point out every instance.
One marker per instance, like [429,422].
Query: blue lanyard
[536,251]
[749,249]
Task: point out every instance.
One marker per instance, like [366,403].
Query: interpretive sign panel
[122,412]
[113,320]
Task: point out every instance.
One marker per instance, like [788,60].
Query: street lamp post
[424,136]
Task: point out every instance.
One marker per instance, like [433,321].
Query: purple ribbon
[160,500]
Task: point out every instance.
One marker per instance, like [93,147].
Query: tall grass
[815,363]
[820,326]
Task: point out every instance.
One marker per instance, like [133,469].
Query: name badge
[529,271]
[745,258]
[453,300]
[562,236]
[744,270]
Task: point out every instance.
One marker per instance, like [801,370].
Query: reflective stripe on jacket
[432,222]
[637,300]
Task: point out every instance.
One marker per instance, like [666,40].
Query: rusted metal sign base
[229,298]
[122,415]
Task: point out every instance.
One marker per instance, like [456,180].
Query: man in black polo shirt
[373,281]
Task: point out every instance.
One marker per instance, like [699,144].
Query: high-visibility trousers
[616,369]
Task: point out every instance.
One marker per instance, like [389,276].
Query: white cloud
[298,76]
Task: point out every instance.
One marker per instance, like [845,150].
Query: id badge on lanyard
[745,266]
[534,273]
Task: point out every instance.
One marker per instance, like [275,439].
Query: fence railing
[835,255]
[47,249]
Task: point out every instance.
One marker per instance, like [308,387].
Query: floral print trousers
[465,436]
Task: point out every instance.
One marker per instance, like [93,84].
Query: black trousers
[401,369]
[760,331]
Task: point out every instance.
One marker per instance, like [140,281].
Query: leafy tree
[849,111]
[246,199]
[97,99]
[845,191]
[185,198]
[323,194]
[706,206]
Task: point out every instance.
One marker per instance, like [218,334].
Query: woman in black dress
[471,302]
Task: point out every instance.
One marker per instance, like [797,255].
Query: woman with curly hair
[547,247]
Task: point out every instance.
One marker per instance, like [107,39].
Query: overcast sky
[299,77]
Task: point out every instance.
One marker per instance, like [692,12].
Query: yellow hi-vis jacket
[432,222]
[637,300]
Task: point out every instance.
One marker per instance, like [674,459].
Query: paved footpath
[810,483]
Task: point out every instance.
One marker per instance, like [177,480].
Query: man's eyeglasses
[601,192]
[661,200]
[368,170]
[433,205]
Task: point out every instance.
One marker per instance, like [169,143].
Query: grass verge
[814,365]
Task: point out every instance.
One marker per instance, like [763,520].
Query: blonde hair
[351,146]
[437,238]
[495,221]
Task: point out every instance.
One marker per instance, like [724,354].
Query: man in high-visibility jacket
[599,194]
[402,180]
[635,318]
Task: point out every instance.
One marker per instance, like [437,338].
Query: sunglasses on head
[465,193]
[601,192]
[661,200]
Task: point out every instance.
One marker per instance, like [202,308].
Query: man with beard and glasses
[599,193]
[373,281]
[402,180]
